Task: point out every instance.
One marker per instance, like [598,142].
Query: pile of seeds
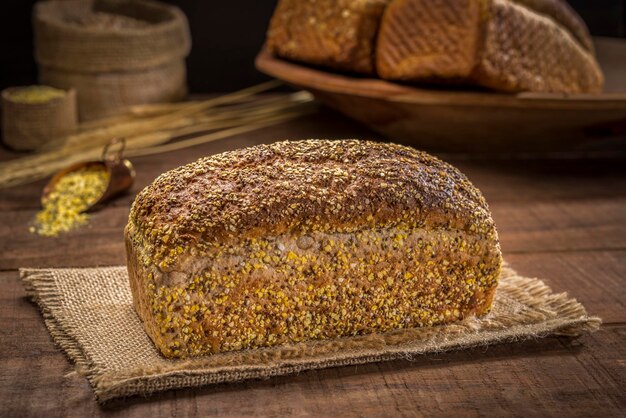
[73,193]
[35,94]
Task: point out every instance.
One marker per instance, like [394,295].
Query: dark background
[226,37]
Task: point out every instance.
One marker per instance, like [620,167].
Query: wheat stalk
[149,129]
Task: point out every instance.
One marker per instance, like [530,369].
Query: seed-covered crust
[305,240]
[303,185]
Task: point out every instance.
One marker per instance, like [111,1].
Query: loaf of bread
[499,44]
[307,240]
[338,34]
[505,45]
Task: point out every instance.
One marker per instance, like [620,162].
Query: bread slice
[307,240]
[338,34]
[512,46]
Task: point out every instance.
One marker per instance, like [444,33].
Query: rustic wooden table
[563,220]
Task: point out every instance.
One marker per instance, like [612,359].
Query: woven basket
[33,126]
[112,68]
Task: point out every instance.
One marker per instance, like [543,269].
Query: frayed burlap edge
[525,308]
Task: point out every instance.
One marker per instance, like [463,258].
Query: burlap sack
[90,315]
[109,94]
[34,126]
[112,68]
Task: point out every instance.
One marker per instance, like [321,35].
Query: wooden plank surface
[562,220]
[539,377]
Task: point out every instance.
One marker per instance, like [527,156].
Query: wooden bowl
[462,120]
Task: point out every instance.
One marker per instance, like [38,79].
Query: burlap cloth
[90,315]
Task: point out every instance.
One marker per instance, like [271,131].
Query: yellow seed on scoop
[72,194]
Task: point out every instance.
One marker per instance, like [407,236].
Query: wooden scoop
[121,173]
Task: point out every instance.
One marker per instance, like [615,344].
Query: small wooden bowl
[462,120]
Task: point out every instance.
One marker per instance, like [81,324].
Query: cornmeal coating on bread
[303,240]
[338,34]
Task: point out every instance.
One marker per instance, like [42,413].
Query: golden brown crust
[338,34]
[506,45]
[303,185]
[422,39]
[520,45]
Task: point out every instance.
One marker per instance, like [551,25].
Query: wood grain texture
[561,220]
[466,119]
[542,377]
